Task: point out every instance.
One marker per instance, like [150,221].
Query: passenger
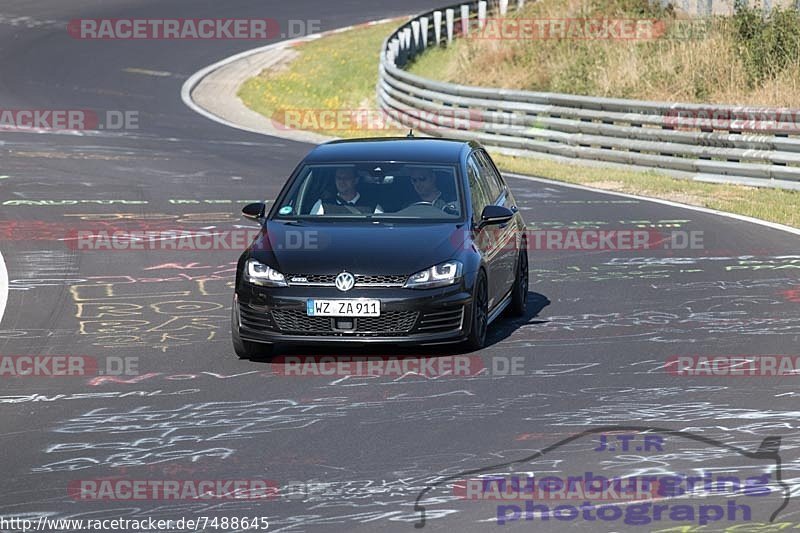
[424,181]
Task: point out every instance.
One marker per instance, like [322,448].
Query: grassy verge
[745,59]
[337,73]
[340,72]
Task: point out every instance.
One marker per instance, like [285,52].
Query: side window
[477,187]
[492,178]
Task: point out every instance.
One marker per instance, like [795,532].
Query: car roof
[406,149]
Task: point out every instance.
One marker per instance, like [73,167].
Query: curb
[3,287]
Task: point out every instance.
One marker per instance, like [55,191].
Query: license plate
[361,307]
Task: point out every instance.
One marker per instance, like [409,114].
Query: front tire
[519,293]
[480,315]
[246,349]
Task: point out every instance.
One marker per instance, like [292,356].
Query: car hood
[380,248]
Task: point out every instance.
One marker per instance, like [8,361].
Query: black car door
[505,234]
[485,238]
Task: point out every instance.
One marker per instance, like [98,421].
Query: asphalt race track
[592,353]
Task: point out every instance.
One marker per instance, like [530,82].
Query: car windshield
[377,190]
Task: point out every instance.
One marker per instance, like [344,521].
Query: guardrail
[754,146]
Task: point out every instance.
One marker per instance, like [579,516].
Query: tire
[519,293]
[480,315]
[247,349]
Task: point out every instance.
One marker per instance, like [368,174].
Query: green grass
[341,71]
[335,73]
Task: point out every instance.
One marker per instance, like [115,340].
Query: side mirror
[254,211]
[495,214]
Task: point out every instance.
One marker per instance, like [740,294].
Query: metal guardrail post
[450,16]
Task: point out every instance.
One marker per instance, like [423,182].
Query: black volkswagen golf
[397,240]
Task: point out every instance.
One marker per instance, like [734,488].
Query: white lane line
[773,225]
[147,72]
[3,287]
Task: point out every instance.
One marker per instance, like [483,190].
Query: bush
[767,45]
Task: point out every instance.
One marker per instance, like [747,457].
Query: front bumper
[408,316]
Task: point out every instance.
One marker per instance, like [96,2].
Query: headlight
[437,276]
[260,274]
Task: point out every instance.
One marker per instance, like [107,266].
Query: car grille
[326,279]
[381,280]
[255,317]
[390,323]
[361,280]
[436,321]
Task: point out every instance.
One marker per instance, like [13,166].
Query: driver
[425,185]
[348,199]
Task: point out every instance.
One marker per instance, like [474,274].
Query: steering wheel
[451,209]
[422,203]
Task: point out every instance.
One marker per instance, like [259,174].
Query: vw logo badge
[345,281]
